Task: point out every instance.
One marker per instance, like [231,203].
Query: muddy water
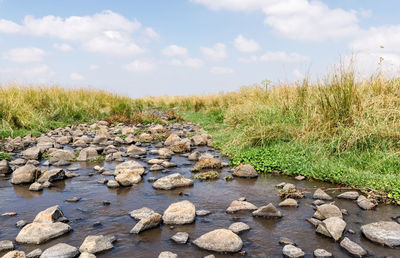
[261,241]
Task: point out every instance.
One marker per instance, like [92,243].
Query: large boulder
[60,250]
[245,170]
[25,174]
[383,232]
[95,244]
[239,205]
[52,175]
[37,233]
[332,227]
[325,211]
[61,157]
[220,240]
[50,215]
[268,211]
[180,213]
[151,221]
[87,154]
[172,181]
[32,153]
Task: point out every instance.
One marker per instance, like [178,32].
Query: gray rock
[6,245]
[87,255]
[383,232]
[194,156]
[25,174]
[35,187]
[128,177]
[95,244]
[332,227]
[141,213]
[35,253]
[31,153]
[20,223]
[202,213]
[37,233]
[322,253]
[292,251]
[156,167]
[349,195]
[179,213]
[133,151]
[300,178]
[73,199]
[237,206]
[318,202]
[286,241]
[61,157]
[320,194]
[112,184]
[60,250]
[220,240]
[50,215]
[151,221]
[4,167]
[167,254]
[180,237]
[268,211]
[172,181]
[87,154]
[52,175]
[289,202]
[131,165]
[326,211]
[18,162]
[365,204]
[239,227]
[313,221]
[245,170]
[353,248]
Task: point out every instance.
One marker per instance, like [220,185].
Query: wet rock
[353,248]
[320,194]
[292,251]
[207,163]
[151,179]
[52,175]
[6,245]
[87,154]
[300,178]
[64,140]
[47,184]
[322,253]
[287,187]
[286,241]
[155,161]
[128,177]
[149,222]
[131,165]
[201,213]
[35,187]
[332,227]
[61,157]
[172,181]
[344,211]
[106,203]
[73,199]
[167,254]
[349,195]
[220,240]
[156,167]
[326,211]
[133,151]
[25,174]
[194,156]
[167,164]
[383,232]
[18,162]
[179,213]
[60,250]
[245,170]
[237,205]
[289,202]
[95,244]
[87,255]
[35,253]
[50,215]
[98,168]
[268,211]
[365,204]
[37,233]
[165,153]
[199,140]
[141,213]
[4,167]
[180,237]
[14,254]
[9,214]
[314,222]
[32,153]
[239,227]
[112,184]
[318,202]
[20,223]
[172,139]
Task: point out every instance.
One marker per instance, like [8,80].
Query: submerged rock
[179,213]
[167,254]
[383,232]
[172,181]
[219,240]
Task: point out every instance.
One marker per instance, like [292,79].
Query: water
[261,241]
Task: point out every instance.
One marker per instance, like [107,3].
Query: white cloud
[221,70]
[246,45]
[297,74]
[62,47]
[281,56]
[76,77]
[24,55]
[174,50]
[368,63]
[140,66]
[188,62]
[217,52]
[151,33]
[248,60]
[93,67]
[372,39]
[7,26]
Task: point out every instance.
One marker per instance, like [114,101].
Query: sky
[183,47]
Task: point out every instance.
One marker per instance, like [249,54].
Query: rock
[322,253]
[202,213]
[332,227]
[207,163]
[239,227]
[73,199]
[14,254]
[245,170]
[128,177]
[320,194]
[383,232]
[112,184]
[172,139]
[64,140]
[151,179]
[289,202]
[141,213]
[37,233]
[25,174]
[287,187]
[87,255]
[133,151]
[60,250]
[95,244]
[157,129]
[237,205]
[4,167]
[9,214]
[314,222]
[50,215]
[167,164]
[318,202]
[179,213]
[286,241]
[365,204]
[156,167]
[52,175]
[151,221]
[165,153]
[35,187]
[32,153]
[172,181]
[353,248]
[180,237]
[219,240]
[292,251]
[20,223]
[326,211]
[155,161]
[47,184]
[199,140]
[167,254]
[268,211]
[131,165]
[87,154]
[300,178]
[349,195]
[98,168]
[6,245]
[35,253]
[18,162]
[61,157]
[194,156]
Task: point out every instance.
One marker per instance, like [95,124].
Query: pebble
[20,223]
[9,214]
[73,199]
[322,253]
[300,178]
[180,237]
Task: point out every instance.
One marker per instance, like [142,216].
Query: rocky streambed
[162,191]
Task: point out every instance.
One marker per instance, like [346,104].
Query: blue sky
[151,48]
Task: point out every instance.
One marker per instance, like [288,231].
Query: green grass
[5,156]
